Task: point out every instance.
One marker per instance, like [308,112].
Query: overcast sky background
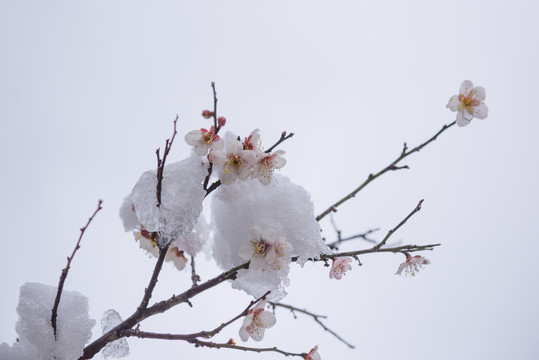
[89,90]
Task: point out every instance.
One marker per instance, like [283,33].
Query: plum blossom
[256,322]
[177,257]
[266,163]
[234,162]
[412,264]
[469,103]
[265,250]
[204,140]
[252,142]
[339,267]
[313,354]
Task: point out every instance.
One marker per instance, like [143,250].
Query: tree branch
[391,167]
[66,270]
[335,244]
[281,139]
[161,163]
[390,232]
[230,345]
[316,318]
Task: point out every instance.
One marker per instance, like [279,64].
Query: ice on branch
[412,265]
[283,208]
[469,103]
[265,250]
[204,140]
[339,267]
[36,336]
[118,348]
[181,200]
[256,322]
[313,354]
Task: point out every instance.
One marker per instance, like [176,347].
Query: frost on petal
[283,207]
[74,327]
[465,87]
[480,111]
[118,348]
[461,121]
[453,103]
[181,198]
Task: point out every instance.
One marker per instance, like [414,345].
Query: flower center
[260,248]
[235,161]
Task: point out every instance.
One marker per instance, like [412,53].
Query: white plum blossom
[313,354]
[234,162]
[339,267]
[256,322]
[469,103]
[266,163]
[412,264]
[177,257]
[252,142]
[265,250]
[204,140]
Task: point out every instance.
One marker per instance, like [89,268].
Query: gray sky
[89,90]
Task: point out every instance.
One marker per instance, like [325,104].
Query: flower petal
[193,137]
[244,334]
[246,251]
[461,121]
[480,111]
[479,93]
[201,149]
[267,319]
[453,103]
[466,87]
[402,266]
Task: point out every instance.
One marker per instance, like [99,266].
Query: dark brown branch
[229,345]
[335,244]
[281,139]
[158,308]
[215,124]
[153,281]
[390,232]
[391,167]
[66,270]
[397,249]
[316,318]
[161,163]
[200,334]
[213,186]
[194,277]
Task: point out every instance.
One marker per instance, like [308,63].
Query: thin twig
[200,334]
[208,344]
[161,163]
[281,139]
[217,128]
[390,232]
[153,281]
[316,318]
[194,277]
[340,240]
[66,270]
[391,167]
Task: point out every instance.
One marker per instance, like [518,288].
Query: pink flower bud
[206,114]
[221,121]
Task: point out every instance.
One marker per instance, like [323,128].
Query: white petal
[479,93]
[480,111]
[246,250]
[258,263]
[244,334]
[453,103]
[234,147]
[193,137]
[257,333]
[255,232]
[461,121]
[201,149]
[279,162]
[218,145]
[267,319]
[249,157]
[401,267]
[466,87]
